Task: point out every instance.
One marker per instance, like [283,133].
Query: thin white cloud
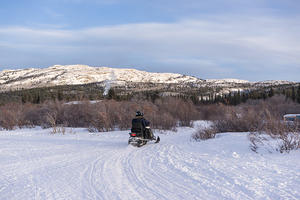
[231,43]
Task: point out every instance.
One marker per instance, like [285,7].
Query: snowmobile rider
[141,126]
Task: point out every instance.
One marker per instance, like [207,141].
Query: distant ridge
[83,74]
[57,75]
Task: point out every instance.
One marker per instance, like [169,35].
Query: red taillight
[133,134]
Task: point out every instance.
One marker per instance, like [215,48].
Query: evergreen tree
[60,95]
[271,92]
[238,97]
[293,94]
[298,94]
[111,94]
[264,95]
[244,97]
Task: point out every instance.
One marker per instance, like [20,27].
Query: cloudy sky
[245,39]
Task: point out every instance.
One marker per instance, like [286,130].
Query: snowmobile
[140,139]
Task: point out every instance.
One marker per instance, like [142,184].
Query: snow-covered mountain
[83,74]
[226,81]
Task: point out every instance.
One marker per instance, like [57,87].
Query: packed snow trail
[80,165]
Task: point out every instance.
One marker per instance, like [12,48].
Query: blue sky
[245,39]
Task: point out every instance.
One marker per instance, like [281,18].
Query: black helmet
[139,113]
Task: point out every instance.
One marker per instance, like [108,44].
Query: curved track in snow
[36,165]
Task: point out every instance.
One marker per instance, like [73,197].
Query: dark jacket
[139,124]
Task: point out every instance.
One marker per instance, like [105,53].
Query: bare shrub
[288,135]
[285,141]
[58,129]
[240,120]
[92,129]
[34,115]
[76,115]
[118,114]
[278,105]
[61,129]
[126,111]
[51,121]
[11,116]
[257,140]
[164,121]
[101,122]
[187,113]
[183,111]
[106,115]
[212,112]
[263,119]
[289,141]
[204,134]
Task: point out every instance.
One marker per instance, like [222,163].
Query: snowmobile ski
[139,141]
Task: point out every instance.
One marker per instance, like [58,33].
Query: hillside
[75,82]
[82,74]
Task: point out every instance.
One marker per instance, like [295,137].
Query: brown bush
[164,113]
[263,119]
[11,116]
[75,115]
[271,125]
[204,134]
[290,141]
[35,115]
[212,112]
[287,136]
[184,111]
[164,121]
[240,120]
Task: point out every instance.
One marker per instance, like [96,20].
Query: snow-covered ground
[79,165]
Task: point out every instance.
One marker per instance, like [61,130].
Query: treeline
[236,98]
[56,93]
[106,115]
[96,92]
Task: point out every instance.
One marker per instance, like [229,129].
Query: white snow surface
[80,165]
[226,80]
